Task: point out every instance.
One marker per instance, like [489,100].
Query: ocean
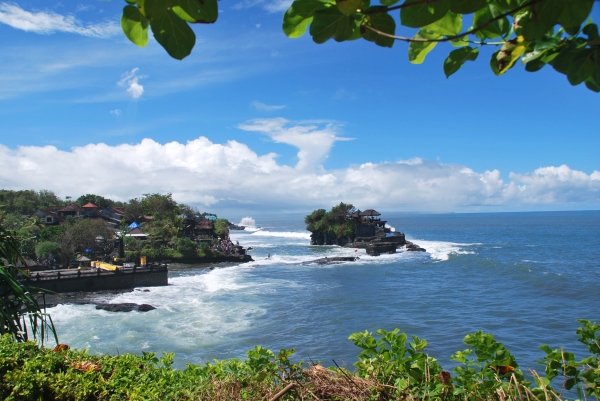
[524,277]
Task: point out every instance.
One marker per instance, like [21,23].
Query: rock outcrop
[410,247]
[125,307]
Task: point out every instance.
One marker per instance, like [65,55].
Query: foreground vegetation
[390,367]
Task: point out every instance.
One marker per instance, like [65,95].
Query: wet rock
[410,247]
[334,260]
[125,307]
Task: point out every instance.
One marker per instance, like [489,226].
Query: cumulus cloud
[205,173]
[130,80]
[265,107]
[49,22]
[313,141]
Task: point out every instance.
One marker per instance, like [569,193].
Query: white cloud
[130,80]
[116,112]
[272,6]
[313,142]
[205,173]
[265,107]
[50,22]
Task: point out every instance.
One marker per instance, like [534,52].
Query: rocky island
[344,225]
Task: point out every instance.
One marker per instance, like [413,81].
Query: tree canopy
[537,32]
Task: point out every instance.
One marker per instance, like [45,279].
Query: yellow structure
[107,266]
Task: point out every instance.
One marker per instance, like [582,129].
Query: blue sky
[260,122]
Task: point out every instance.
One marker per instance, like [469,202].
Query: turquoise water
[524,277]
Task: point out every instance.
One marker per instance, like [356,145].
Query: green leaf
[457,59]
[389,2]
[593,83]
[174,35]
[581,66]
[382,22]
[299,16]
[331,23]
[418,50]
[510,52]
[152,9]
[540,19]
[466,6]
[460,42]
[534,65]
[197,11]
[134,25]
[449,25]
[591,30]
[420,15]
[348,7]
[494,29]
[574,12]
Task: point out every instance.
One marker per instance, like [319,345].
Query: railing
[89,273]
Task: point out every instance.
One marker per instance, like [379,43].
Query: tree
[97,200]
[46,248]
[82,234]
[133,211]
[27,201]
[521,29]
[153,204]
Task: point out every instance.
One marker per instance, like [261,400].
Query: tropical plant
[20,312]
[389,367]
[537,32]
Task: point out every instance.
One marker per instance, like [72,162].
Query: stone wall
[100,282]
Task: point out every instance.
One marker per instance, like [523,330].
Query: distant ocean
[524,277]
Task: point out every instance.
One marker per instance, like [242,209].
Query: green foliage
[43,249]
[81,234]
[168,20]
[97,200]
[222,228]
[335,221]
[157,204]
[522,29]
[27,202]
[390,366]
[51,233]
[16,302]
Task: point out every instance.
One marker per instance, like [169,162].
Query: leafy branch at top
[537,32]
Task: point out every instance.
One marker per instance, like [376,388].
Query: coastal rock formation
[377,248]
[125,307]
[334,260]
[410,247]
[345,226]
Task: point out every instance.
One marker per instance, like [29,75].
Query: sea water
[524,277]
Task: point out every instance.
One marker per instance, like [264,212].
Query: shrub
[44,249]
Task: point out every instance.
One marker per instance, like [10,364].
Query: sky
[253,122]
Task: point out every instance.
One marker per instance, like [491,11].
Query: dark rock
[125,307]
[334,260]
[377,248]
[410,247]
